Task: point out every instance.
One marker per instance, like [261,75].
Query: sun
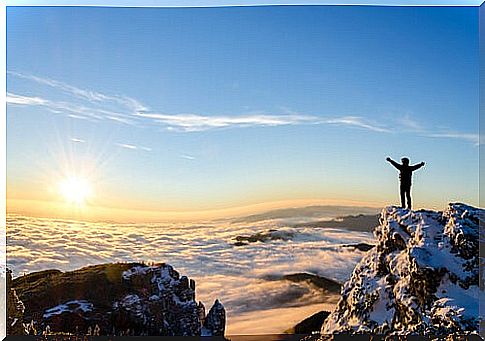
[75,190]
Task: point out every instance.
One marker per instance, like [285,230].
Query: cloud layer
[236,275]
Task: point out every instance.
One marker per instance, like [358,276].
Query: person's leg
[408,196]
[403,196]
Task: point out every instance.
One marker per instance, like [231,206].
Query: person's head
[405,161]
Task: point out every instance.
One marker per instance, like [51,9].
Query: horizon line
[124,215]
[103,214]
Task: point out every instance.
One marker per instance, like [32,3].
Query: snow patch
[77,306]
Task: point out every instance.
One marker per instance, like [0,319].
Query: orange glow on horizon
[53,209]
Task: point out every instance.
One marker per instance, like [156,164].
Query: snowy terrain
[237,275]
[421,278]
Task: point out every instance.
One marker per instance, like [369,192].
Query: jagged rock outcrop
[264,236]
[421,278]
[215,322]
[117,299]
[15,310]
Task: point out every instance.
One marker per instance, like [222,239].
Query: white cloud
[74,139]
[80,103]
[407,122]
[238,276]
[470,137]
[96,106]
[71,109]
[120,119]
[192,122]
[25,100]
[127,146]
[188,157]
[357,121]
[132,110]
[133,147]
[92,96]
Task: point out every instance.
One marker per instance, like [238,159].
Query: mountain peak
[421,278]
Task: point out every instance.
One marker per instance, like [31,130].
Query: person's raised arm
[417,166]
[394,163]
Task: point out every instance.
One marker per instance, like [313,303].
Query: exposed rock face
[421,278]
[15,310]
[327,285]
[215,322]
[309,325]
[364,247]
[264,237]
[117,299]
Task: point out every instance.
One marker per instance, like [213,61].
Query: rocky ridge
[112,299]
[422,277]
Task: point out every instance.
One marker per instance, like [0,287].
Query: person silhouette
[405,176]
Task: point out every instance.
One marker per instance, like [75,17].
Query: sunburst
[75,190]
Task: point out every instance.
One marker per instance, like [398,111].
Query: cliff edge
[422,277]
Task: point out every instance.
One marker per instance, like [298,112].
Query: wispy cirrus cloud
[133,147]
[25,100]
[192,122]
[121,145]
[89,95]
[71,109]
[187,157]
[406,122]
[473,138]
[96,106]
[357,121]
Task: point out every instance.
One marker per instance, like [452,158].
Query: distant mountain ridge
[360,222]
[306,214]
[421,278]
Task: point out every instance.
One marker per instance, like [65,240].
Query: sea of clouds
[238,275]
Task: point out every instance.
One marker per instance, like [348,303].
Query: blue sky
[213,3]
[209,108]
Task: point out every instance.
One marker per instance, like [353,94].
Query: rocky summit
[422,277]
[112,299]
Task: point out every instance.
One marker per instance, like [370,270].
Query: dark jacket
[406,172]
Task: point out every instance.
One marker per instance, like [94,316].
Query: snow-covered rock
[421,278]
[117,299]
